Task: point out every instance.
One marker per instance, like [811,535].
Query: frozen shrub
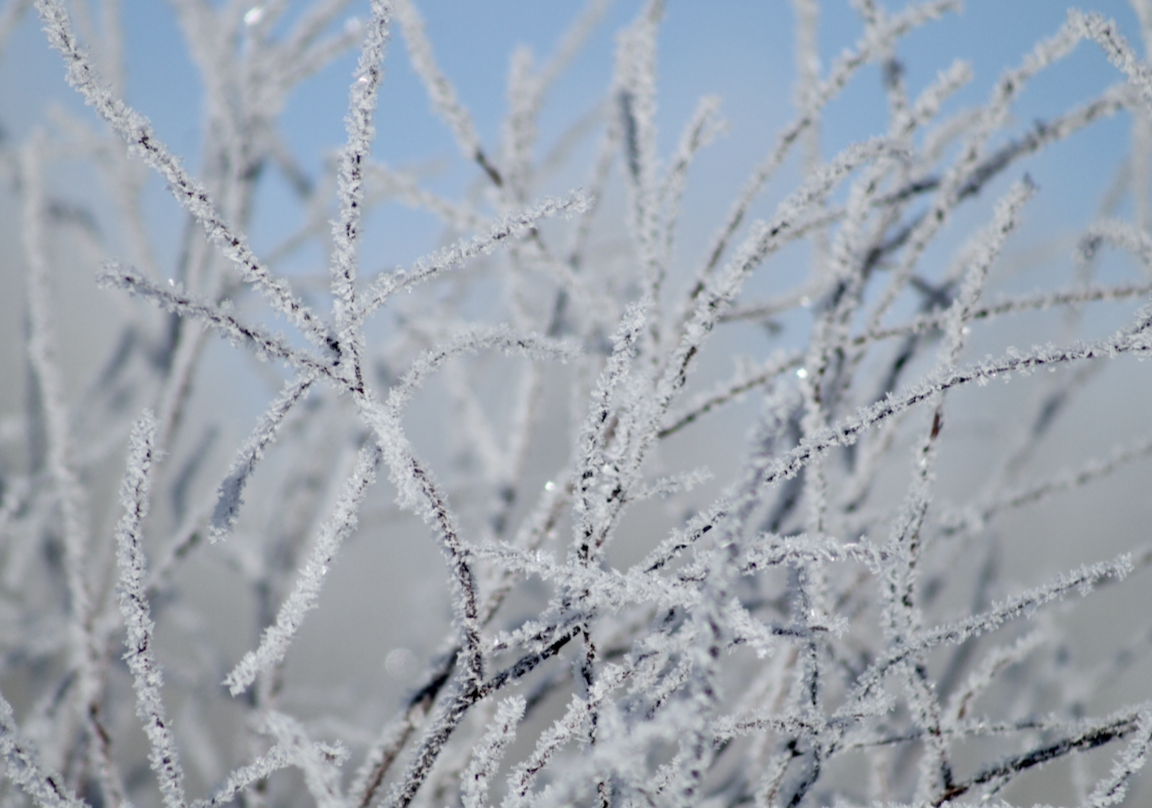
[667,577]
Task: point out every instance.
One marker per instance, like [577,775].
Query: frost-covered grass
[743,524]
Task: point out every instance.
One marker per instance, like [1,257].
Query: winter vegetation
[828,488]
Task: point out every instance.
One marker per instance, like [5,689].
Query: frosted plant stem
[137,134]
[228,499]
[440,90]
[514,225]
[224,320]
[276,639]
[1105,34]
[141,656]
[487,755]
[964,169]
[1041,489]
[635,76]
[67,488]
[22,766]
[844,68]
[350,186]
[1087,738]
[849,429]
[319,765]
[244,777]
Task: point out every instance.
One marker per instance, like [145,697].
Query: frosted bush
[722,524]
